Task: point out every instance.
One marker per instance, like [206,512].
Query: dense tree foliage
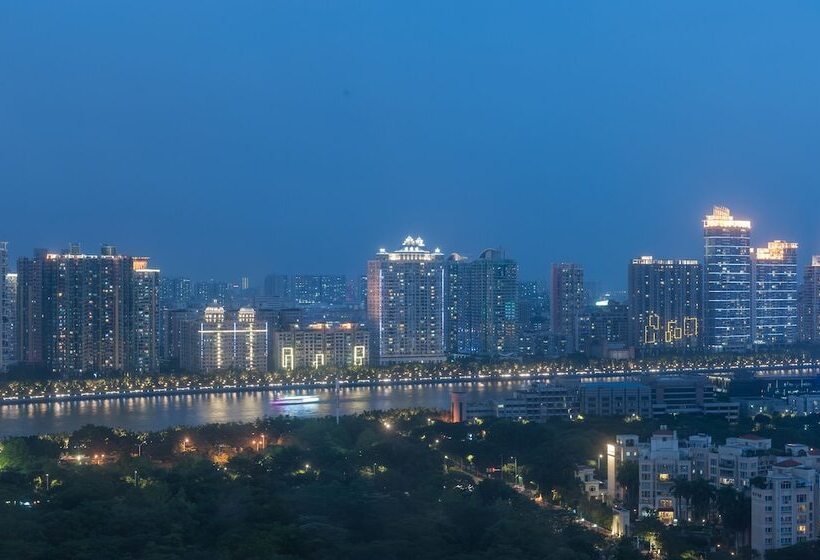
[363,489]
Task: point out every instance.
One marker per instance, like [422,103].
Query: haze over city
[300,137]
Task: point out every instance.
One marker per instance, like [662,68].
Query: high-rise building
[665,304]
[175,293]
[405,303]
[774,295]
[567,303]
[10,321]
[278,286]
[482,305]
[81,314]
[223,342]
[603,329]
[321,345]
[810,303]
[319,289]
[3,270]
[728,281]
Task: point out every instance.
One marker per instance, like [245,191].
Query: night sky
[239,138]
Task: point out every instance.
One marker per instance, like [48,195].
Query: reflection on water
[155,413]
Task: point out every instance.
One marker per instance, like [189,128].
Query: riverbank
[129,388]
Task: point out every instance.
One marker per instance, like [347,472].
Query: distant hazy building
[405,304]
[80,314]
[775,291]
[481,305]
[319,289]
[321,345]
[567,303]
[603,330]
[225,342]
[728,281]
[175,293]
[810,303]
[665,304]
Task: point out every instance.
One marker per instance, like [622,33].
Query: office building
[624,398]
[336,345]
[221,341]
[665,304]
[536,402]
[728,281]
[405,304]
[81,314]
[775,291]
[567,304]
[809,315]
[784,508]
[481,305]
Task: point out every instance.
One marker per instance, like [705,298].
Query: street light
[139,448]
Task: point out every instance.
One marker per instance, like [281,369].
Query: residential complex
[405,304]
[775,282]
[567,304]
[219,341]
[809,304]
[338,345]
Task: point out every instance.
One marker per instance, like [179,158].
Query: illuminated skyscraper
[482,305]
[665,304]
[567,303]
[405,304]
[225,342]
[142,335]
[774,272]
[728,281]
[810,303]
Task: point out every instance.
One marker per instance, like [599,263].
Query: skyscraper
[10,321]
[810,303]
[728,281]
[405,303]
[774,273]
[81,314]
[665,304]
[3,319]
[567,303]
[482,305]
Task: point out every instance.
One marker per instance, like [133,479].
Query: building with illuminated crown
[727,281]
[221,341]
[405,304]
[774,310]
[318,345]
[665,304]
[81,314]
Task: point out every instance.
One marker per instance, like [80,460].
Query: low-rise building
[594,489]
[661,463]
[784,507]
[615,399]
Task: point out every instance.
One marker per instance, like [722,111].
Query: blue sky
[240,138]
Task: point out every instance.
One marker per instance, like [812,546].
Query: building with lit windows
[727,281]
[602,330]
[784,507]
[774,295]
[625,449]
[665,304]
[405,304]
[481,305]
[4,342]
[567,304]
[81,314]
[220,341]
[9,322]
[809,312]
[338,345]
[659,464]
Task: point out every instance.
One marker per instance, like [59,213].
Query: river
[156,413]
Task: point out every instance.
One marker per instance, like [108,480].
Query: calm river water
[155,413]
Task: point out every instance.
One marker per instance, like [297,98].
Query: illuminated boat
[296,399]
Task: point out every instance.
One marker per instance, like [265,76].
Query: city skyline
[243,145]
